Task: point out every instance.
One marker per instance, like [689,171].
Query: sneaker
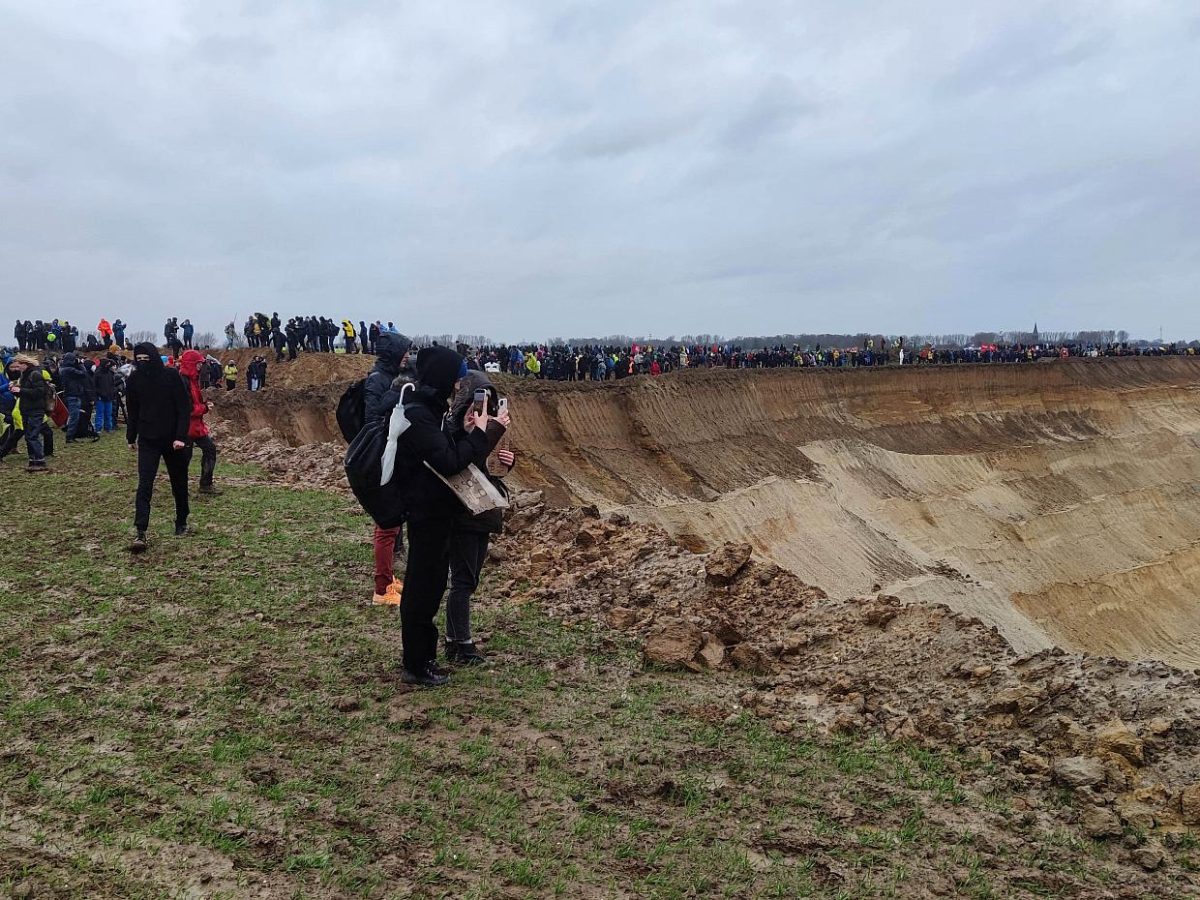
[397,586]
[34,470]
[464,654]
[428,678]
[139,544]
[210,490]
[182,530]
[390,597]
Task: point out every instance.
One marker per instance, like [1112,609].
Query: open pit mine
[1055,501]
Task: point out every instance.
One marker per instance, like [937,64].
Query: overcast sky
[559,168]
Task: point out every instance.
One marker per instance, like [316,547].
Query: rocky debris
[750,659]
[310,465]
[1078,771]
[1189,804]
[673,645]
[1119,738]
[1149,858]
[724,565]
[1117,735]
[1100,822]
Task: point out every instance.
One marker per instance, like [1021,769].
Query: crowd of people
[455,419]
[87,397]
[582,362]
[307,334]
[602,363]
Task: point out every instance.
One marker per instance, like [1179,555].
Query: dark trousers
[74,407]
[424,584]
[33,438]
[149,453]
[468,550]
[208,458]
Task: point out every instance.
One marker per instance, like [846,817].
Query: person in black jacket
[431,505]
[159,412]
[471,533]
[72,380]
[106,393]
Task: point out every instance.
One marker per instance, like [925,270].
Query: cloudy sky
[560,168]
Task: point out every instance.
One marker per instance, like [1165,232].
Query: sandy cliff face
[1057,501]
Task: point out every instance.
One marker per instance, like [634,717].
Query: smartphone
[481,396]
[503,406]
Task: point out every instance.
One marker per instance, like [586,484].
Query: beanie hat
[438,368]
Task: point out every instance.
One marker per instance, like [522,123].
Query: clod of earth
[724,565]
[1079,771]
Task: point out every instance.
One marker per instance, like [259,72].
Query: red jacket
[189,368]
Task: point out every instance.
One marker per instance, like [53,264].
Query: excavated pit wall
[1057,501]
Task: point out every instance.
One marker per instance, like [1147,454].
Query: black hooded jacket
[425,440]
[378,395]
[106,382]
[157,401]
[71,377]
[492,521]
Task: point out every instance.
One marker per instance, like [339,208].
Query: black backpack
[364,471]
[351,411]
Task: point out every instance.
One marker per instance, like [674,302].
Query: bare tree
[142,337]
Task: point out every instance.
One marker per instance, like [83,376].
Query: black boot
[139,544]
[427,678]
[464,653]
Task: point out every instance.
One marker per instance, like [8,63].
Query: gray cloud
[537,170]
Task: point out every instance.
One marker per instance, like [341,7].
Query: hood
[70,359]
[189,363]
[437,369]
[390,348]
[154,365]
[467,385]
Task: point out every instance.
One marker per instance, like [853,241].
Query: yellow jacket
[231,372]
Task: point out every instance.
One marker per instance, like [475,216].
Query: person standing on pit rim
[159,412]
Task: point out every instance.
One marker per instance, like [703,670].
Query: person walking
[431,505]
[35,397]
[198,434]
[159,412]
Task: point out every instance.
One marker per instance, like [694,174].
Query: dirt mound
[1099,744]
[310,465]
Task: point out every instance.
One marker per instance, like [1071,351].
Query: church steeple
[1035,333]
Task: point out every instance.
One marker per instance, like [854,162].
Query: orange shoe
[397,586]
[390,597]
